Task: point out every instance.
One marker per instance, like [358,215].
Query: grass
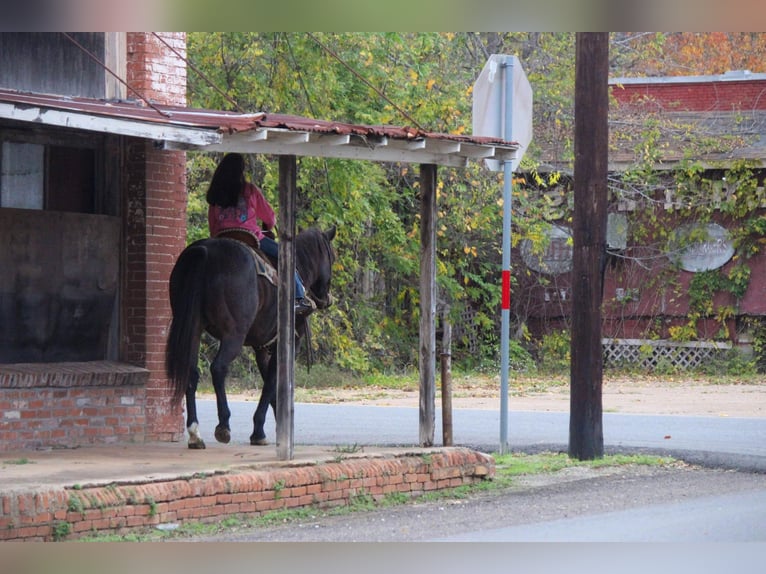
[511,465]
[508,467]
[315,385]
[312,387]
[19,461]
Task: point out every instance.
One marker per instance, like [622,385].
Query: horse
[216,286]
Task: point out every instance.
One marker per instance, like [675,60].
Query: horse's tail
[186,284]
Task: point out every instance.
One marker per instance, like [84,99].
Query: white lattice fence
[465,330]
[649,353]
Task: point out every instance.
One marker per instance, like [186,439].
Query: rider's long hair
[228,181]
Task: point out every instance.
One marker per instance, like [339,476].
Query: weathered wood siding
[58,286]
[49,62]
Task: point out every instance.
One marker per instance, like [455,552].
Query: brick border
[69,513]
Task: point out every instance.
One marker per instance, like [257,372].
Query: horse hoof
[195,440]
[222,435]
[259,441]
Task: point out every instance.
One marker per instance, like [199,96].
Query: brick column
[155,227]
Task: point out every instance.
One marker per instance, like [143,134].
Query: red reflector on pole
[506,295]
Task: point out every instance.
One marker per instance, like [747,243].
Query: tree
[695,53]
[424,79]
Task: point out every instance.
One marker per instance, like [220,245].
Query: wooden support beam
[286,308]
[427,360]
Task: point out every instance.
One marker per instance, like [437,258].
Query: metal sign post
[505,308]
[495,106]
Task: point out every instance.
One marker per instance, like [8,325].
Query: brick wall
[74,512]
[69,405]
[154,70]
[728,95]
[155,209]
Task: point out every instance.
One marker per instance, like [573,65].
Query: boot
[304,307]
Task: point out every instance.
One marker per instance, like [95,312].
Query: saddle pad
[264,268]
[262,265]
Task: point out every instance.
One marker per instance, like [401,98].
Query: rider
[236,204]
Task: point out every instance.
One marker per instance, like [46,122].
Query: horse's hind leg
[192,423]
[227,352]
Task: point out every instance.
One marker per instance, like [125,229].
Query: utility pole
[591,134]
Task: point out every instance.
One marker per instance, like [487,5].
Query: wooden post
[427,360]
[446,378]
[286,308]
[586,437]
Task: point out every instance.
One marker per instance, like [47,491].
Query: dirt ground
[625,396]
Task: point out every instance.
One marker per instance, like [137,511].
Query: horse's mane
[308,246]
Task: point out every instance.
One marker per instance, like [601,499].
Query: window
[60,238]
[51,177]
[22,174]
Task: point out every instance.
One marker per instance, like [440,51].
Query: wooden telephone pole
[586,437]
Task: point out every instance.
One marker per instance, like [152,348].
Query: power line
[363,79]
[308,100]
[119,79]
[200,73]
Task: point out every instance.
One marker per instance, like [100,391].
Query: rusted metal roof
[215,130]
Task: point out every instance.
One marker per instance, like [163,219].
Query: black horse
[215,286]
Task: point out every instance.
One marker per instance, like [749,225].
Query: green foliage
[759,345]
[518,464]
[152,505]
[75,504]
[554,352]
[519,358]
[19,461]
[425,80]
[373,326]
[733,363]
[702,290]
[61,530]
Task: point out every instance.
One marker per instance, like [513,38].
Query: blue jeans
[271,248]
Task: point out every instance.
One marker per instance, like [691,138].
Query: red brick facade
[732,92]
[71,404]
[155,227]
[635,305]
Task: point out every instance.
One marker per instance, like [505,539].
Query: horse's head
[315,257]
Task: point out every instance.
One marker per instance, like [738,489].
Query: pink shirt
[251,207]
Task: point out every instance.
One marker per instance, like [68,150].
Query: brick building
[91,222]
[739,90]
[711,124]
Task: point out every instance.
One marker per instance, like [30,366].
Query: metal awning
[181,128]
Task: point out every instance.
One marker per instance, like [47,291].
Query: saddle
[263,265]
[243,235]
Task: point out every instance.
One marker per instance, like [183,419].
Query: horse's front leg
[267,366]
[192,423]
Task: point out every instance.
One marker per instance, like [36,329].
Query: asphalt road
[644,504]
[713,441]
[724,501]
[739,517]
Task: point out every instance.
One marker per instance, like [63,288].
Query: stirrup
[304,307]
